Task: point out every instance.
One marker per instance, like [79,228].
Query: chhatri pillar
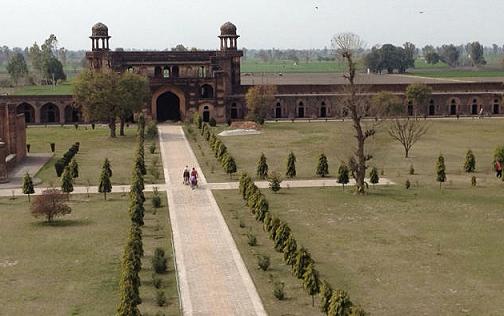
[3,165]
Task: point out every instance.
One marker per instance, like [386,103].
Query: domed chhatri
[100,29]
[227,29]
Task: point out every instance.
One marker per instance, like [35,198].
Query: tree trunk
[360,173]
[312,301]
[105,195]
[406,151]
[112,127]
[121,127]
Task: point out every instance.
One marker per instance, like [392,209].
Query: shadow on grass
[64,223]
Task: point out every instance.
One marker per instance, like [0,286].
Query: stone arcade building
[210,82]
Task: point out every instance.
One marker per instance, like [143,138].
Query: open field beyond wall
[72,267]
[95,146]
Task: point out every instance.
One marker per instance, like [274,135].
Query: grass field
[95,146]
[383,248]
[450,137]
[72,266]
[65,88]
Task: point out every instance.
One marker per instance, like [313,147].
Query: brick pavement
[213,279]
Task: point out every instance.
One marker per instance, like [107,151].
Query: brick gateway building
[210,82]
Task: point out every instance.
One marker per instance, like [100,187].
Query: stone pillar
[3,166]
[61,109]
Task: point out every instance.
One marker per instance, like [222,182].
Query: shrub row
[65,160]
[133,252]
[332,302]
[220,150]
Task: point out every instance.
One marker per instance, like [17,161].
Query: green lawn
[383,248]
[458,73]
[450,137]
[95,146]
[65,88]
[72,267]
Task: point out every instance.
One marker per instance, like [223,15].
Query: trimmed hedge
[66,159]
[332,302]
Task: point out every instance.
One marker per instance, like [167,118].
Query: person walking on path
[194,178]
[498,169]
[186,175]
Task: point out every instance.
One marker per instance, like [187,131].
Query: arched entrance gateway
[168,107]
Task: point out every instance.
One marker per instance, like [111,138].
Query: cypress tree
[275,182]
[267,222]
[212,140]
[129,283]
[141,126]
[440,170]
[343,174]
[67,182]
[140,160]
[244,181]
[373,176]
[74,168]
[323,166]
[291,165]
[470,162]
[281,236]
[107,167]
[136,238]
[262,167]
[275,223]
[220,151]
[340,304]
[136,210]
[230,165]
[311,282]
[325,296]
[290,250]
[303,259]
[28,185]
[261,208]
[105,185]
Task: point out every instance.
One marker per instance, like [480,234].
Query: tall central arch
[168,107]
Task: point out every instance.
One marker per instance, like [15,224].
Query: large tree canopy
[106,95]
[390,58]
[98,94]
[17,67]
[45,62]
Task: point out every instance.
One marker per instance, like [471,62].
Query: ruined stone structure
[210,82]
[12,138]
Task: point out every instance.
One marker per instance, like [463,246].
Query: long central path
[213,279]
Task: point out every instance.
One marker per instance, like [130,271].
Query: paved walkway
[213,279]
[31,164]
[314,183]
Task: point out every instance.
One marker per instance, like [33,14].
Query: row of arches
[174,71]
[301,110]
[455,107]
[49,113]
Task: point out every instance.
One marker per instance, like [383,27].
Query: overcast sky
[159,24]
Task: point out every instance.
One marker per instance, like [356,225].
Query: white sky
[159,24]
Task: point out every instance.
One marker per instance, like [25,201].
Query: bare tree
[50,204]
[356,104]
[407,132]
